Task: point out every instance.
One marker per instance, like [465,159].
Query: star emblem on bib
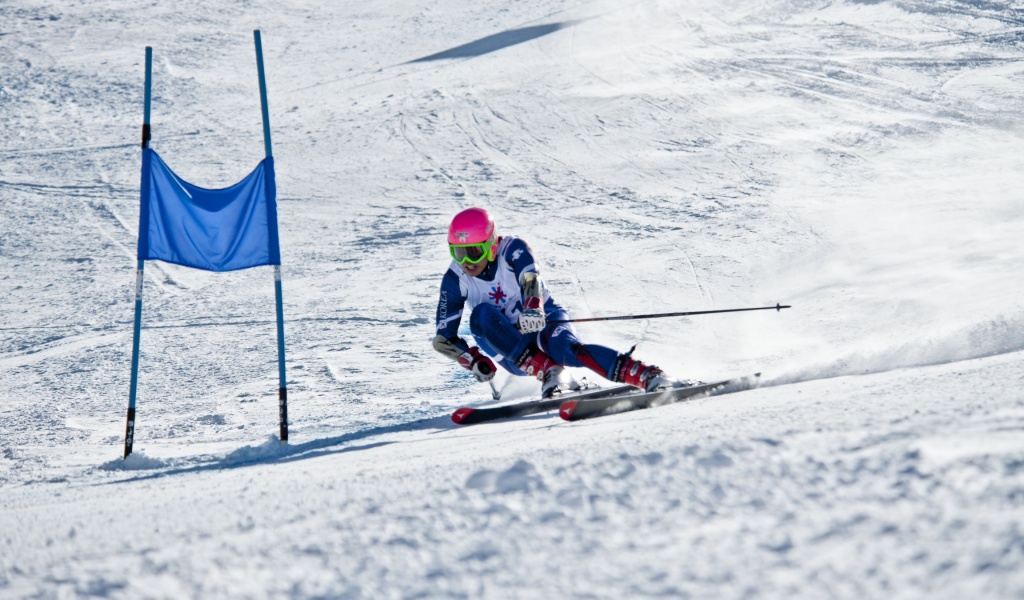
[497,295]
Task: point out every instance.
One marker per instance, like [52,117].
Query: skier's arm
[531,287]
[447,340]
[532,290]
[520,258]
[449,313]
[471,359]
[532,318]
[452,347]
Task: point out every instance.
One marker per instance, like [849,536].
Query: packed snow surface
[859,160]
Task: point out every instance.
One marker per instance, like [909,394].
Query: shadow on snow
[275,452]
[498,41]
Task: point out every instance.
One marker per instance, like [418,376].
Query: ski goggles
[470,253]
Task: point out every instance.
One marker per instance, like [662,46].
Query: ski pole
[494,390]
[777,307]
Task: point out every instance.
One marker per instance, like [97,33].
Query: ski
[584,408]
[469,416]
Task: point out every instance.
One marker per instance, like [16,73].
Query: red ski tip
[565,411]
[461,414]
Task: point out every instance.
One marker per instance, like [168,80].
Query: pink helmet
[471,227]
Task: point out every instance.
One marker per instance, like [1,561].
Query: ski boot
[536,363]
[557,380]
[646,377]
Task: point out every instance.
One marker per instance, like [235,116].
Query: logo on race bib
[497,295]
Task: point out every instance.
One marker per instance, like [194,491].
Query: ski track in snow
[859,160]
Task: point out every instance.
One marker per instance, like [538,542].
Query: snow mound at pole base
[136,461]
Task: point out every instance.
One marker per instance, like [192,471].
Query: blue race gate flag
[215,230]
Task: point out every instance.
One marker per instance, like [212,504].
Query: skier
[497,279]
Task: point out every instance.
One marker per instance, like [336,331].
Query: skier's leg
[493,331]
[497,335]
[630,371]
[505,363]
[561,342]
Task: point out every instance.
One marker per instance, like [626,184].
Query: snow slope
[858,160]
